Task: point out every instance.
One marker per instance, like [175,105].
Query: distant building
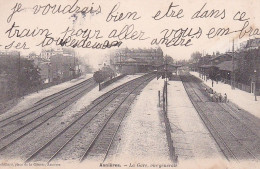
[214,67]
[243,71]
[56,64]
[9,53]
[221,58]
[32,56]
[253,43]
[3,85]
[62,67]
[146,55]
[242,46]
[136,60]
[47,53]
[43,66]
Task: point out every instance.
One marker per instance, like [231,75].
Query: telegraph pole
[256,72]
[166,91]
[78,63]
[120,61]
[233,68]
[74,68]
[19,69]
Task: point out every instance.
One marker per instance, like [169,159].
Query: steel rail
[106,122]
[39,106]
[206,120]
[237,139]
[49,115]
[94,104]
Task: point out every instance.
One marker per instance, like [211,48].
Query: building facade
[132,61]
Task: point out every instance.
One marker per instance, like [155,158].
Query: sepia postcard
[130,84]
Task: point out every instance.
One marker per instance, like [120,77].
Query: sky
[144,24]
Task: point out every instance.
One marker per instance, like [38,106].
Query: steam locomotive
[105,73]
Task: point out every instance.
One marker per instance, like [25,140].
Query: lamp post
[120,61]
[228,77]
[49,72]
[166,90]
[74,67]
[255,72]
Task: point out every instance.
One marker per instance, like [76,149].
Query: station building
[242,71]
[131,61]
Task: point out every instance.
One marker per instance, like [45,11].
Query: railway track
[104,138]
[234,139]
[96,127]
[17,132]
[242,129]
[65,91]
[251,122]
[47,101]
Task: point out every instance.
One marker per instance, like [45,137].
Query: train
[103,74]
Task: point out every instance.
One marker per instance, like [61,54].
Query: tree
[29,75]
[21,75]
[169,60]
[32,55]
[182,62]
[196,56]
[99,76]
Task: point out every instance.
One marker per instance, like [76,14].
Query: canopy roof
[227,66]
[169,67]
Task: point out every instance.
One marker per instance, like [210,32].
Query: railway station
[149,108]
[165,93]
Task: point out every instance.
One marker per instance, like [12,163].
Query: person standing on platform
[220,97]
[211,97]
[225,97]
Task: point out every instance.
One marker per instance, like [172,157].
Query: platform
[190,137]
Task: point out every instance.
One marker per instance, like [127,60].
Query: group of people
[216,97]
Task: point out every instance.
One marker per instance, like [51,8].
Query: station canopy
[168,67]
[227,66]
[206,66]
[132,61]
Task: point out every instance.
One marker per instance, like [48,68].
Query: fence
[108,82]
[46,85]
[168,126]
[240,86]
[165,98]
